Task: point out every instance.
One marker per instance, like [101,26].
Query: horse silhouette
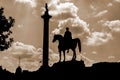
[63,48]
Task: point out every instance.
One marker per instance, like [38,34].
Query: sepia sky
[95,22]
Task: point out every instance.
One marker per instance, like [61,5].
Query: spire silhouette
[19,62]
[19,71]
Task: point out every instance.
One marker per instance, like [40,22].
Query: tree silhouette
[5,26]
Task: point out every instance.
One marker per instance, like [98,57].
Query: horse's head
[57,37]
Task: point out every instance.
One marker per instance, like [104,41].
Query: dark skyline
[96,23]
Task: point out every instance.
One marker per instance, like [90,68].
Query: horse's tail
[79,44]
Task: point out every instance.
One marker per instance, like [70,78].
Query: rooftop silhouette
[66,70]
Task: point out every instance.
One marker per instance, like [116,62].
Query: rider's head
[67,29]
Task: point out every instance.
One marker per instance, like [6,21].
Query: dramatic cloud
[73,23]
[33,3]
[29,57]
[67,13]
[63,8]
[21,50]
[98,38]
[101,13]
[113,25]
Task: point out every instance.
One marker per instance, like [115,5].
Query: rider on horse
[67,39]
[66,43]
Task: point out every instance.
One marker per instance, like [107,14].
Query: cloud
[93,7]
[101,13]
[117,1]
[66,15]
[22,50]
[8,63]
[56,31]
[30,57]
[88,62]
[53,57]
[33,3]
[81,25]
[113,25]
[94,52]
[98,38]
[29,64]
[110,4]
[62,8]
[111,57]
[20,26]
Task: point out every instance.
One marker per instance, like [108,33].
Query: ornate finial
[46,7]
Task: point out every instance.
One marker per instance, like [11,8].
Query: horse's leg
[60,56]
[74,54]
[64,55]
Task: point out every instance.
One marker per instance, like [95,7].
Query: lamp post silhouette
[46,18]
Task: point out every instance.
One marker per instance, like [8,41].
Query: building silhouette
[18,73]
